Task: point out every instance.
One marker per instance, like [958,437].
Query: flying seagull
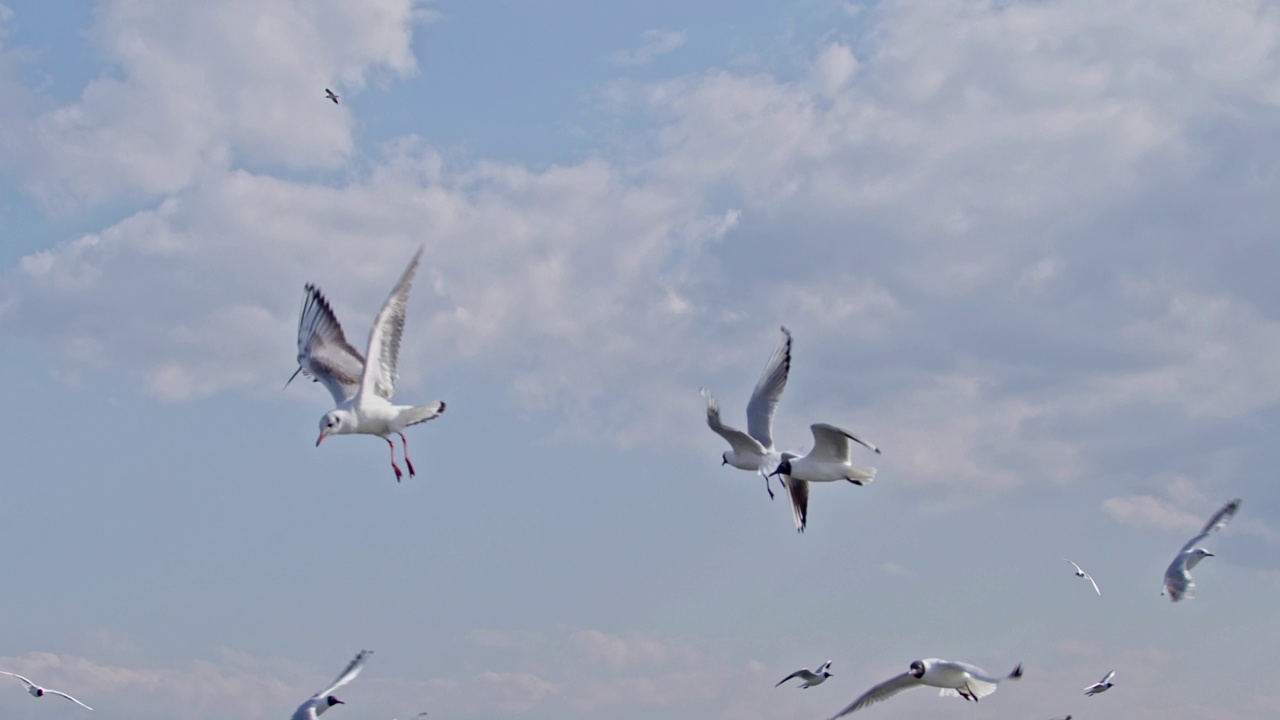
[1085,575]
[828,461]
[1177,578]
[1100,686]
[331,95]
[323,700]
[810,678]
[361,390]
[955,679]
[37,691]
[753,450]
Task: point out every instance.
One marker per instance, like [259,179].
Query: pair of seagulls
[753,450]
[361,388]
[37,691]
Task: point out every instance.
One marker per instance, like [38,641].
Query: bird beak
[336,701]
[320,439]
[775,473]
[291,377]
[1209,555]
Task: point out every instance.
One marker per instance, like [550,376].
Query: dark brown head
[917,669]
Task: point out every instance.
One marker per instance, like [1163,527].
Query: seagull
[753,450]
[37,691]
[1085,575]
[955,679]
[331,95]
[323,700]
[1177,578]
[810,678]
[361,390]
[1100,686]
[828,461]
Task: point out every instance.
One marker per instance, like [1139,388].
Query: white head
[335,422]
[1196,555]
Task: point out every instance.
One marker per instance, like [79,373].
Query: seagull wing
[1073,564]
[25,681]
[884,690]
[1095,584]
[831,444]
[1107,679]
[57,692]
[741,442]
[768,391]
[380,371]
[798,493]
[1216,522]
[352,670]
[323,350]
[802,673]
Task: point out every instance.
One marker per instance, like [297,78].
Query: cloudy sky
[1029,248]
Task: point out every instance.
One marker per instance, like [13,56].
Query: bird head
[333,422]
[826,669]
[917,669]
[784,467]
[331,700]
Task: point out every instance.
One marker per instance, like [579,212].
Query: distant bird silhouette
[331,95]
[37,691]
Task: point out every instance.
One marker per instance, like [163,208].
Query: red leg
[394,466]
[407,461]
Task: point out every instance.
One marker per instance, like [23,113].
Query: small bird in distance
[810,677]
[37,691]
[1082,574]
[331,95]
[1101,686]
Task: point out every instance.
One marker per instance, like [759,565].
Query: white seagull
[753,450]
[1177,578]
[362,390]
[331,95]
[955,679]
[810,678]
[323,700]
[1085,575]
[37,691]
[828,461]
[1100,686]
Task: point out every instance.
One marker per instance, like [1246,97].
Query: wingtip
[1017,672]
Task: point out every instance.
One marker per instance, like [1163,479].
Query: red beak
[321,438]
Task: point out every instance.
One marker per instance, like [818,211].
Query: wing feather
[349,673]
[58,692]
[883,691]
[25,681]
[798,493]
[768,390]
[323,351]
[741,442]
[381,370]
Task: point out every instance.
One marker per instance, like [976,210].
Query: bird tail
[861,475]
[422,413]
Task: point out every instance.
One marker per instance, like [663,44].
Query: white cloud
[656,42]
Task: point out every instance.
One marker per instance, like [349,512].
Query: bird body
[1101,686]
[810,677]
[952,678]
[317,704]
[753,450]
[361,389]
[37,691]
[828,461]
[1178,584]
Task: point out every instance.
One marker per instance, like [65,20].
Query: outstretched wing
[352,670]
[799,673]
[57,692]
[742,443]
[1216,522]
[798,493]
[1107,679]
[883,691]
[380,372]
[831,444]
[1095,584]
[768,391]
[25,681]
[323,350]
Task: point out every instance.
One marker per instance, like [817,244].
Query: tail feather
[422,413]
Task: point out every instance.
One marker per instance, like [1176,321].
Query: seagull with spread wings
[1177,578]
[331,95]
[317,704]
[37,691]
[956,679]
[1082,574]
[1101,686]
[828,461]
[361,390]
[810,677]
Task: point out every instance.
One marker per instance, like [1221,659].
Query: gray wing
[740,442]
[381,370]
[323,351]
[974,671]
[798,493]
[349,673]
[801,673]
[768,391]
[831,443]
[25,681]
[1216,522]
[883,691]
[57,692]
[1107,679]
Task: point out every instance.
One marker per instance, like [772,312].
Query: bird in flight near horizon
[37,691]
[1101,686]
[810,677]
[955,679]
[361,389]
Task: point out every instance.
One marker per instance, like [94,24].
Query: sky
[1027,248]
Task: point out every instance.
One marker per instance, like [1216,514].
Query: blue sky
[1028,248]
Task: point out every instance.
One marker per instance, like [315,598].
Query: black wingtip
[1017,672]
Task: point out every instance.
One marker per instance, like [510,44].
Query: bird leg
[394,466]
[766,486]
[407,461]
[966,693]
